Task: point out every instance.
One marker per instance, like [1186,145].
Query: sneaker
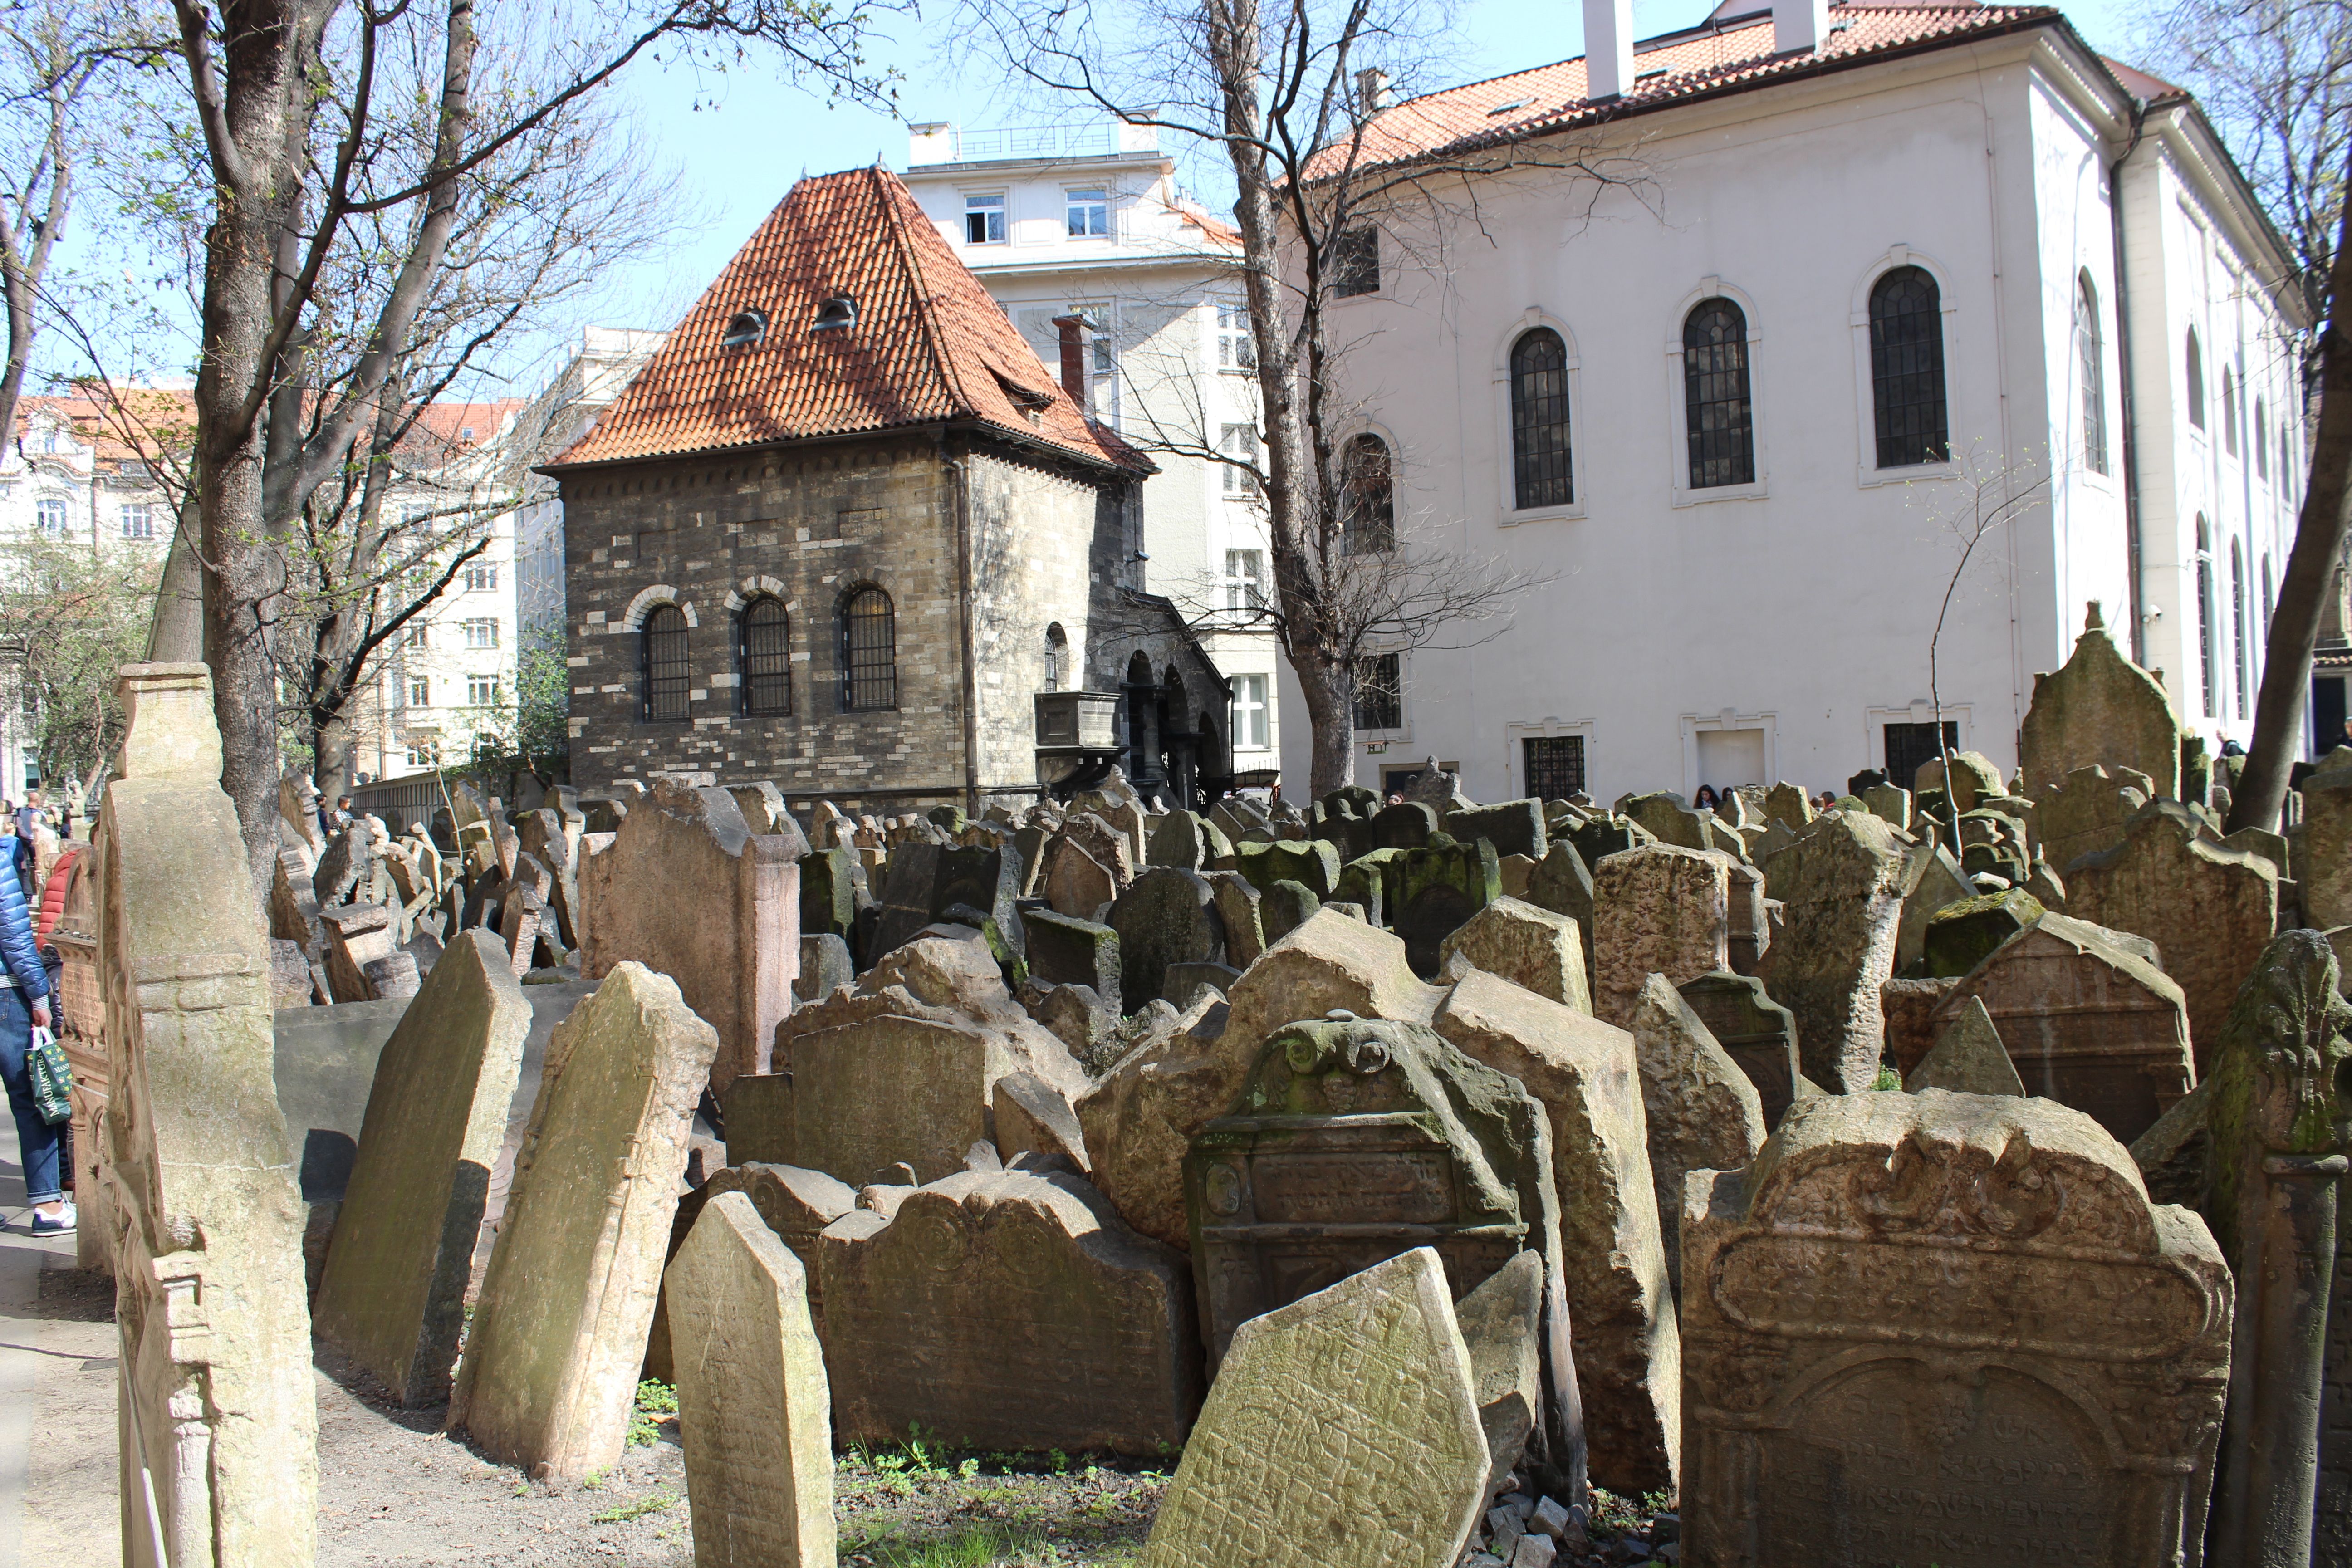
[61,1226]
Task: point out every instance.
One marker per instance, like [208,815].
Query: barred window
[1356,261]
[1541,472]
[664,658]
[2092,367]
[1554,765]
[1721,423]
[869,639]
[2196,382]
[2205,618]
[1380,692]
[1367,497]
[767,654]
[1910,747]
[2229,413]
[1906,369]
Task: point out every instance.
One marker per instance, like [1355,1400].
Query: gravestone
[1755,1031]
[1749,930]
[1891,804]
[1323,1405]
[1962,934]
[1067,951]
[1787,804]
[1605,836]
[1076,884]
[1438,889]
[1240,909]
[393,1296]
[1908,1008]
[868,1095]
[829,892]
[1669,818]
[1968,1059]
[2084,813]
[1166,916]
[1952,1329]
[1974,776]
[558,1335]
[1032,1116]
[1371,881]
[1284,906]
[1513,828]
[2327,879]
[1526,946]
[754,1413]
[2099,711]
[1932,879]
[1008,1309]
[1309,861]
[2208,909]
[688,889]
[1841,888]
[1561,883]
[1190,841]
[1702,1112]
[793,1201]
[986,880]
[1657,910]
[362,965]
[1407,824]
[826,968]
[910,895]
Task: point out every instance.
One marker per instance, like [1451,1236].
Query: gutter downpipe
[2135,552]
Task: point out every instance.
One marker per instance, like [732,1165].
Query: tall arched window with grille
[1058,656]
[662,641]
[2205,618]
[1719,421]
[2090,367]
[869,651]
[766,657]
[1367,497]
[2196,360]
[1542,472]
[2240,655]
[1906,369]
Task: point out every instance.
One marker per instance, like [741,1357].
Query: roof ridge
[924,298]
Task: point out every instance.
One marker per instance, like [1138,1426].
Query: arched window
[870,652]
[2229,413]
[1367,497]
[1718,420]
[2091,365]
[1906,369]
[2205,616]
[767,656]
[1057,654]
[664,649]
[2196,382]
[2261,441]
[2240,658]
[1541,472]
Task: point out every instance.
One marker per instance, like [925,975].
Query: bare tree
[1285,96]
[306,154]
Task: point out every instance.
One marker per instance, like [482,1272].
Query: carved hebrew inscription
[1402,1188]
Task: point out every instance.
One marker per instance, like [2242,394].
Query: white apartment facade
[1744,500]
[1088,221]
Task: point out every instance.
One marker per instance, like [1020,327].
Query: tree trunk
[1331,720]
[2311,567]
[331,745]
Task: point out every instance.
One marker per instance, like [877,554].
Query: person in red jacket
[53,894]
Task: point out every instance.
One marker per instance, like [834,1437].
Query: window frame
[1882,376]
[1073,200]
[1516,737]
[481,577]
[746,679]
[1246,587]
[1403,728]
[648,692]
[1519,423]
[1241,340]
[2193,374]
[2094,426]
[1261,710]
[984,202]
[486,625]
[2209,679]
[2230,442]
[2241,661]
[420,692]
[474,683]
[1866,471]
[1239,483]
[1732,721]
[844,619]
[142,512]
[1678,412]
[44,506]
[1381,540]
[1507,513]
[1348,260]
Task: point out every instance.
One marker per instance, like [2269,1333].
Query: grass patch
[657,1401]
[965,1546]
[656,1503]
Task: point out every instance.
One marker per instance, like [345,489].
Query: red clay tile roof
[928,345]
[1737,52]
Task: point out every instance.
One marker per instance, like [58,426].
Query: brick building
[844,527]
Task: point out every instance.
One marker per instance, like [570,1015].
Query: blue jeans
[37,1141]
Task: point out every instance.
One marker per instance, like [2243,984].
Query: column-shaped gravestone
[753,1410]
[559,1334]
[1841,886]
[218,1423]
[393,1296]
[1657,910]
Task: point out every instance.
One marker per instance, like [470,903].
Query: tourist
[1706,799]
[25,1004]
[2231,748]
[28,814]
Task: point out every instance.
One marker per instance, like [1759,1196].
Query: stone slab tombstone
[1757,1032]
[1703,1114]
[1513,826]
[1167,916]
[1946,1328]
[1563,884]
[1657,910]
[793,1202]
[910,894]
[1435,890]
[2099,711]
[219,1423]
[1407,824]
[2327,879]
[2084,813]
[1840,887]
[1076,884]
[1323,1405]
[1526,945]
[829,892]
[1008,1309]
[1932,880]
[686,890]
[1311,861]
[753,1409]
[1241,908]
[394,1293]
[558,1336]
[1067,951]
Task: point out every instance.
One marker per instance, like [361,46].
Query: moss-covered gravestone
[2100,710]
[1757,1032]
[1438,889]
[1167,916]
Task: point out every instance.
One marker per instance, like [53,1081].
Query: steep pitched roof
[928,346]
[1724,53]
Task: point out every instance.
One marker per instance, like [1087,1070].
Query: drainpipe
[2123,374]
[958,467]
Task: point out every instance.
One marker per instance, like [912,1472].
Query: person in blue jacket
[24,1003]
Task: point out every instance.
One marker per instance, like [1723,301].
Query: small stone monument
[2100,710]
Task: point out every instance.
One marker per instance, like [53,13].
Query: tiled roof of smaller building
[928,345]
[1720,56]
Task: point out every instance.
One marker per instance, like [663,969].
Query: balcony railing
[953,145]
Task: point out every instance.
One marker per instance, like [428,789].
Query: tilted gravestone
[1756,1032]
[754,1413]
[2100,710]
[1932,881]
[1407,824]
[794,1202]
[394,1293]
[558,1335]
[2084,813]
[1311,861]
[1605,836]
[1968,1059]
[1167,916]
[1323,1405]
[1657,910]
[1962,934]
[1007,1309]
[1067,951]
[1528,946]
[1946,1328]
[1702,1112]
[829,892]
[1513,828]
[1436,890]
[1841,887]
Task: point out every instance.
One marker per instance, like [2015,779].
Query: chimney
[1074,381]
[1608,49]
[1371,90]
[1799,26]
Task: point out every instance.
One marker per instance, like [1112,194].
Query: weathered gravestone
[1284,906]
[1702,1112]
[219,1426]
[1067,951]
[1075,883]
[829,893]
[1962,933]
[2099,711]
[1323,1408]
[1434,892]
[1007,1309]
[1657,910]
[1790,806]
[1407,824]
[1950,1329]
[1528,946]
[2208,909]
[1310,861]
[2088,1022]
[1968,1059]
[795,1202]
[1241,909]
[2084,813]
[686,890]
[1974,776]
[558,1335]
[362,965]
[1841,889]
[1167,916]
[1755,1031]
[1513,828]
[394,1293]
[2326,876]
[754,1413]
[1932,881]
